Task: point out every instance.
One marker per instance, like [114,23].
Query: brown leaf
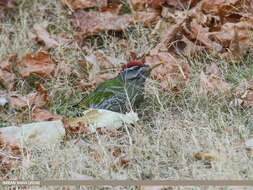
[42,98]
[124,161]
[230,10]
[7,79]
[212,83]
[139,5]
[202,35]
[112,9]
[156,4]
[7,69]
[83,4]
[148,17]
[12,152]
[39,98]
[93,22]
[5,6]
[43,36]
[40,64]
[39,114]
[18,103]
[173,74]
[74,130]
[182,4]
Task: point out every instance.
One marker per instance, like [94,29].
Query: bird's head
[137,71]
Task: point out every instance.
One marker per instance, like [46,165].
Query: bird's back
[113,94]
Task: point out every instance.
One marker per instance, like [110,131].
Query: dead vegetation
[197,113]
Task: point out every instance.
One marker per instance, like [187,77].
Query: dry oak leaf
[42,97]
[228,9]
[44,36]
[212,83]
[93,22]
[182,4]
[12,152]
[236,36]
[83,4]
[41,64]
[39,114]
[149,17]
[173,74]
[202,35]
[39,98]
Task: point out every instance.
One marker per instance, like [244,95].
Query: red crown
[132,63]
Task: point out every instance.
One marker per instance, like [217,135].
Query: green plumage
[104,91]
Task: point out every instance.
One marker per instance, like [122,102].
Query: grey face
[137,74]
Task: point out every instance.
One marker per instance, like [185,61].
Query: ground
[172,128]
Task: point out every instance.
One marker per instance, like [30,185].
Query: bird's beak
[151,67]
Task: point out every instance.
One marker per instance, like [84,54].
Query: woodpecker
[122,93]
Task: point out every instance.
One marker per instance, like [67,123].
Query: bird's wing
[103,91]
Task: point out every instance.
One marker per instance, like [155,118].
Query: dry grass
[171,131]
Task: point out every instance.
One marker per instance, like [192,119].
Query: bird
[122,93]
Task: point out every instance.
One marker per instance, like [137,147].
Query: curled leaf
[40,64]
[39,114]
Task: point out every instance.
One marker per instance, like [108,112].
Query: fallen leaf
[83,4]
[93,22]
[12,152]
[212,84]
[156,4]
[124,161]
[41,64]
[43,36]
[74,129]
[7,75]
[202,35]
[39,114]
[182,4]
[139,5]
[112,9]
[19,103]
[5,6]
[7,79]
[42,97]
[39,98]
[148,17]
[173,74]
